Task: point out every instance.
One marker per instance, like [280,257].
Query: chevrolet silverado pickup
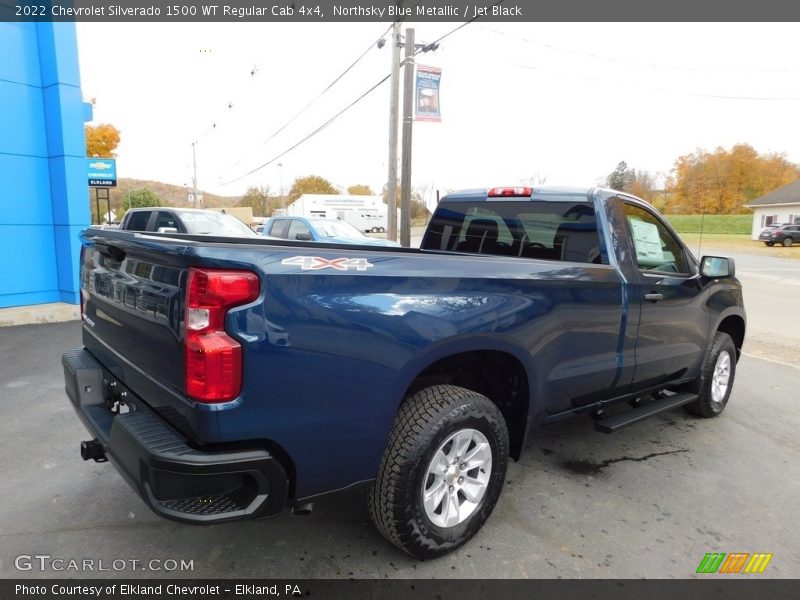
[233,378]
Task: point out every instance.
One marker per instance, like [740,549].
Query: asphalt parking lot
[648,501]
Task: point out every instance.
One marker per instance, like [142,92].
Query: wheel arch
[499,373]
[734,325]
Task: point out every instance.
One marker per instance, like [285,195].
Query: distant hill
[170,195]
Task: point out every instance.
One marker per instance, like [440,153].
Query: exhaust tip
[93,450]
[303,509]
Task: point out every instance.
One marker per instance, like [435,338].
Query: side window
[138,220]
[278,228]
[656,248]
[297,227]
[166,219]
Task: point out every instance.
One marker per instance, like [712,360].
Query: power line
[317,97]
[344,110]
[312,134]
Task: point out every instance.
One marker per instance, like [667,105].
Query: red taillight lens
[213,358]
[505,192]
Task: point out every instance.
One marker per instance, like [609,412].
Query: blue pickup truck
[233,378]
[319,229]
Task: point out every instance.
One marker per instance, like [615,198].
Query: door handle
[653,297]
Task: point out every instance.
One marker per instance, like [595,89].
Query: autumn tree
[101,140]
[642,184]
[620,178]
[723,181]
[360,190]
[417,208]
[311,184]
[258,198]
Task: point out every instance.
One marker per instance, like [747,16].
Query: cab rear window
[551,230]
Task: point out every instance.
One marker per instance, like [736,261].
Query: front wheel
[442,471]
[716,378]
[770,244]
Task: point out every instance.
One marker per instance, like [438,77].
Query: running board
[634,415]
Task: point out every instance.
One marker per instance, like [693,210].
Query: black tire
[706,405]
[424,422]
[787,242]
[770,244]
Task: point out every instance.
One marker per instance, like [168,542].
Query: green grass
[721,243]
[727,224]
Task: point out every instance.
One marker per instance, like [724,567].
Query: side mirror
[305,237]
[167,230]
[717,266]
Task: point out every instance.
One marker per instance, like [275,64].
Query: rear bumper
[175,480]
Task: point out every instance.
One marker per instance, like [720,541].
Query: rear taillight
[213,358]
[506,192]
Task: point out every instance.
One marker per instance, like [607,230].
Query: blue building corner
[44,202]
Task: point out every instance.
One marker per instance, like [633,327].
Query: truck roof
[517,193]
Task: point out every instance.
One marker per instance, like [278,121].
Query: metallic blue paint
[329,354]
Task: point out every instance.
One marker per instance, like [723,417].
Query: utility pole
[408,121]
[283,202]
[393,123]
[194,174]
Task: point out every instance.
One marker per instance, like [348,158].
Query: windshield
[214,223]
[341,229]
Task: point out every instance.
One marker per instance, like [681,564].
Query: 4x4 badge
[315,263]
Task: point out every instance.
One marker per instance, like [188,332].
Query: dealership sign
[102,172]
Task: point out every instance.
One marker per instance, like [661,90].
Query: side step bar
[634,415]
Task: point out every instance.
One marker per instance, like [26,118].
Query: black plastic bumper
[177,481]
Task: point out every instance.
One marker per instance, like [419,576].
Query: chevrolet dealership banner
[427,94]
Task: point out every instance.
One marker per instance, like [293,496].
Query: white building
[368,213]
[778,206]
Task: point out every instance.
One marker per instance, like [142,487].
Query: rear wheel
[716,378]
[442,471]
[788,242]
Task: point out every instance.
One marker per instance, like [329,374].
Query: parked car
[417,371]
[786,235]
[318,229]
[195,221]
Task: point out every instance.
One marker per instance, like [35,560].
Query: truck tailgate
[133,300]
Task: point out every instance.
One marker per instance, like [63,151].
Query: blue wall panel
[19,40]
[70,191]
[44,198]
[22,124]
[25,187]
[29,259]
[68,245]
